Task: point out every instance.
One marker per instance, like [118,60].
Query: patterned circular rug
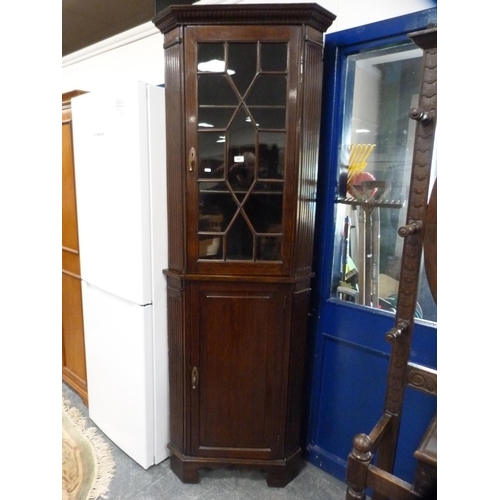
[87,462]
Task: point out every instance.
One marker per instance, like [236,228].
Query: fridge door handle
[192,160]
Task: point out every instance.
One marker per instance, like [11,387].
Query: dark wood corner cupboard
[243,91]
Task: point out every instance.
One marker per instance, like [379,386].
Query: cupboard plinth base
[279,472]
[185,470]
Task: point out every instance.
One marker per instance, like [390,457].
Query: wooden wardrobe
[73,345]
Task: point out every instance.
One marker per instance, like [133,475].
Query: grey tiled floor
[132,482]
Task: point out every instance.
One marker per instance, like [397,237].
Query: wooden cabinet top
[67,96]
[310,14]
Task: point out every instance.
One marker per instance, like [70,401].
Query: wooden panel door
[236,369]
[73,345]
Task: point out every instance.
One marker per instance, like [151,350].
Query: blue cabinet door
[349,355]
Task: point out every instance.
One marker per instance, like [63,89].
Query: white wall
[351,13]
[138,53]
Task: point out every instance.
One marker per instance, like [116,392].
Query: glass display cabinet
[243,90]
[375,171]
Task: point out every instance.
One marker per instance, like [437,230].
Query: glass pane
[210,223]
[255,209]
[273,56]
[242,64]
[211,155]
[375,164]
[271,155]
[241,138]
[215,90]
[240,240]
[269,247]
[268,90]
[211,57]
[274,188]
[269,118]
[211,117]
[264,211]
[209,247]
[216,205]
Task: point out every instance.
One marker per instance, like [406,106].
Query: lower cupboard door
[237,370]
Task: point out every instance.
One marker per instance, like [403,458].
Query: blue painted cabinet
[349,353]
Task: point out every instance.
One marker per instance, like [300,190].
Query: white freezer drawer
[120,375]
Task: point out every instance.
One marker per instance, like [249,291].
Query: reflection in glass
[209,240]
[217,203]
[241,174]
[214,117]
[241,149]
[208,52]
[375,164]
[210,223]
[269,247]
[271,155]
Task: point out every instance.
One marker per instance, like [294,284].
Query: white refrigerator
[120,161]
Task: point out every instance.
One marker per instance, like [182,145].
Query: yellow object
[359,153]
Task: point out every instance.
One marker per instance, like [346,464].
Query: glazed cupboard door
[237,350]
[241,108]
